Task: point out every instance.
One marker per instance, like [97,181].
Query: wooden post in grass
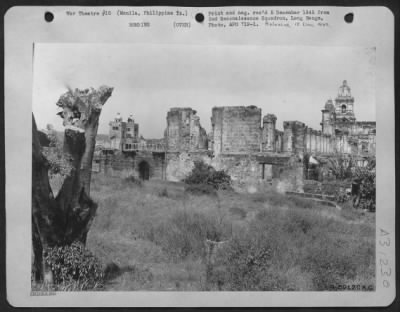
[61,220]
[212,248]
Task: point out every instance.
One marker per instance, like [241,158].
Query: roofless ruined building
[243,142]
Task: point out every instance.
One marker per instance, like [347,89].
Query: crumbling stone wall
[294,137]
[127,164]
[236,129]
[180,164]
[245,171]
[184,132]
[250,173]
[291,177]
[278,141]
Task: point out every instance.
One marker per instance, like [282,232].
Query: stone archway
[144,170]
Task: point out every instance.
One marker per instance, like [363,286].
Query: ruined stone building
[247,145]
[184,132]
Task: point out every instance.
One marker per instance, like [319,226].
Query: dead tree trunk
[61,220]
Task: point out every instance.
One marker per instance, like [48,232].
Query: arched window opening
[343,108]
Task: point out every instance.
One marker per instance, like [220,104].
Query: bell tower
[344,104]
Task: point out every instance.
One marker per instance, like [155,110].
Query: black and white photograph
[198,169]
[199,157]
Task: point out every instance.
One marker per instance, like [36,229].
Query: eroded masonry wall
[249,173]
[236,129]
[294,137]
[184,132]
[180,164]
[239,130]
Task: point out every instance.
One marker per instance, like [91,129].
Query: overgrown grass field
[153,236]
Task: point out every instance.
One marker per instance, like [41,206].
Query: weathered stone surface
[130,164]
[184,132]
[268,133]
[236,129]
[249,173]
[180,164]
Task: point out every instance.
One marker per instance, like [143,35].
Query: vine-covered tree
[64,218]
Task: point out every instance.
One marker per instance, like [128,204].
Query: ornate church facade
[339,121]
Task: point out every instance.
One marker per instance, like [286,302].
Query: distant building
[339,121]
[122,133]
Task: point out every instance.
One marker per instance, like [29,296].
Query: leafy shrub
[341,168]
[246,263]
[74,263]
[206,174]
[365,177]
[200,173]
[341,196]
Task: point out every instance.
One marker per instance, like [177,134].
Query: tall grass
[297,250]
[156,232]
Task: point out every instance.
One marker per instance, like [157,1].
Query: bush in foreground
[75,265]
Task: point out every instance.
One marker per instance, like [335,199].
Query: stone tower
[132,129]
[344,104]
[184,132]
[116,132]
[268,133]
[328,118]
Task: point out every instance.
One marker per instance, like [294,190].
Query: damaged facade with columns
[247,145]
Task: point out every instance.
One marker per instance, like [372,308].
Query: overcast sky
[291,82]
